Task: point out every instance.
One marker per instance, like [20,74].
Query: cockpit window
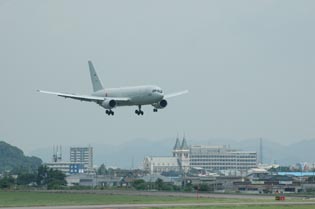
[157,90]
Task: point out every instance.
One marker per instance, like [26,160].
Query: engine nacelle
[109,104]
[161,104]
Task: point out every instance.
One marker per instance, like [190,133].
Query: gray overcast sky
[249,67]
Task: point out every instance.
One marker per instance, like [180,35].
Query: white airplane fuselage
[138,95]
[110,98]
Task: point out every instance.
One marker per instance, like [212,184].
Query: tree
[139,184]
[26,178]
[159,184]
[102,170]
[42,175]
[53,179]
[6,182]
[203,187]
[56,179]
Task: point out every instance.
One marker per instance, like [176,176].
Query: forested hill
[13,160]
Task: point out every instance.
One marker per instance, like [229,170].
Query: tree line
[44,177]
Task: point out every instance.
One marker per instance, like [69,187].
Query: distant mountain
[132,153]
[126,155]
[277,153]
[302,151]
[13,159]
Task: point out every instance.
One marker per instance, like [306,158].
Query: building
[81,160]
[93,180]
[259,182]
[82,155]
[212,158]
[221,158]
[65,167]
[181,152]
[154,165]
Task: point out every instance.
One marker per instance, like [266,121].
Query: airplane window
[157,90]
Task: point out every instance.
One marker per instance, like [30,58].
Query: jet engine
[161,104]
[109,104]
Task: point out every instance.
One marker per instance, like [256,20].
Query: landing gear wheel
[155,110]
[109,112]
[139,111]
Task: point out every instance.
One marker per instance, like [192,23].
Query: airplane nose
[159,95]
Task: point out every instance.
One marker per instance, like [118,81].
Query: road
[165,194]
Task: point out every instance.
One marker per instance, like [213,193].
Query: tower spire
[177,144]
[184,143]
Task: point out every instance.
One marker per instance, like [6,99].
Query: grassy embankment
[10,199]
[51,199]
[247,207]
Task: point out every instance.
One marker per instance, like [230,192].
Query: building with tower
[154,165]
[179,162]
[181,152]
[212,158]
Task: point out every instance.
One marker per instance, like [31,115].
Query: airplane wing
[85,98]
[175,94]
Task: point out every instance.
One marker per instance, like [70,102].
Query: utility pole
[313,172]
[260,151]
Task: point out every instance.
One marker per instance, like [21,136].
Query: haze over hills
[132,153]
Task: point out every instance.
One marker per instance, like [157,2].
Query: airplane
[111,98]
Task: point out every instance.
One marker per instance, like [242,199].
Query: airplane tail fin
[96,82]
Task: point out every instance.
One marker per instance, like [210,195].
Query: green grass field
[10,199]
[248,207]
[41,199]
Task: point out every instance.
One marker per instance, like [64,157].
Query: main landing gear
[155,110]
[139,111]
[109,112]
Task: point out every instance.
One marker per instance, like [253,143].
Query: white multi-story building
[65,167]
[221,158]
[82,155]
[60,166]
[212,158]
